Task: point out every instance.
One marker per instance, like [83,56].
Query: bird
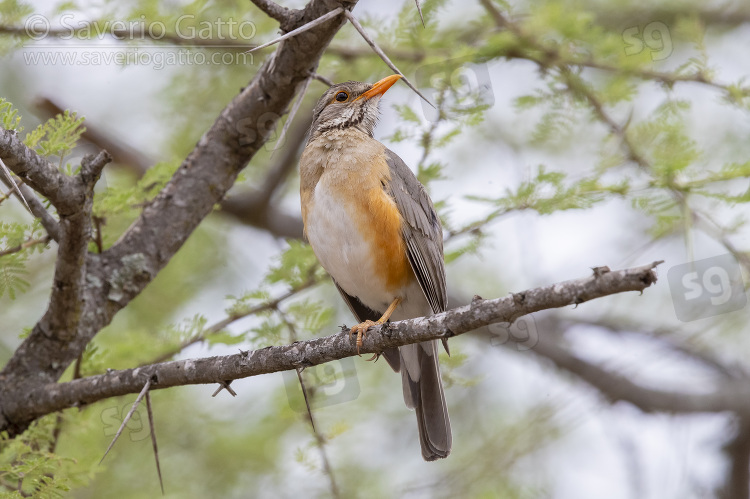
[374,229]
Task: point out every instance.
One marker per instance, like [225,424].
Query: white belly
[342,249]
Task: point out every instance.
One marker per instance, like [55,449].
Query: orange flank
[380,222]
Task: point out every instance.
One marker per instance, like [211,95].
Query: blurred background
[569,135]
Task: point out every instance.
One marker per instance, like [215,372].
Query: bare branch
[737,485]
[382,55]
[322,79]
[20,406]
[731,395]
[66,301]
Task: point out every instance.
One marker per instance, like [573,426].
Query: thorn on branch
[476,300]
[153,439]
[382,55]
[301,29]
[13,184]
[138,399]
[224,385]
[600,271]
[419,9]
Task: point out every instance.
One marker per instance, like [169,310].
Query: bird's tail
[423,392]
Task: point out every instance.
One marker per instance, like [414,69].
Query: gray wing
[421,230]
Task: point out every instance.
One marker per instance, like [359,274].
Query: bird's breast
[352,224]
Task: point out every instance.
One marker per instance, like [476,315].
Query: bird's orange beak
[380,87]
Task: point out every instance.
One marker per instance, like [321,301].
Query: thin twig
[301,29]
[319,439]
[152,428]
[27,244]
[321,78]
[382,55]
[222,324]
[138,399]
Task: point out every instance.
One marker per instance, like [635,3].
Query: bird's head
[350,104]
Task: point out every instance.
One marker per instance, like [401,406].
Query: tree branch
[731,395]
[274,10]
[21,406]
[737,485]
[26,244]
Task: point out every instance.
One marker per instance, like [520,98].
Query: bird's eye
[342,96]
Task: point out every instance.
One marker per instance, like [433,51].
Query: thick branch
[23,406]
[737,485]
[732,395]
[66,301]
[275,11]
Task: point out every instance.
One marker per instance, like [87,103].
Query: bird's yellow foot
[361,330]
[362,327]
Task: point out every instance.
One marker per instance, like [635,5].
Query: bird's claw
[361,330]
